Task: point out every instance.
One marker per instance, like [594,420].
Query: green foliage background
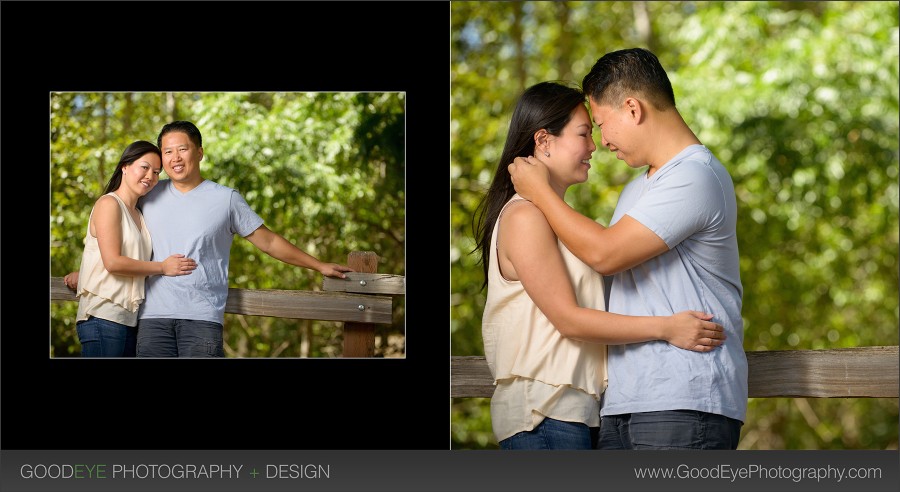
[325,170]
[798,99]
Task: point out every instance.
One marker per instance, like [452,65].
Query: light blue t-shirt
[690,204]
[201,225]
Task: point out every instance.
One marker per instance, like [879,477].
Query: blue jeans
[670,429]
[104,338]
[553,434]
[158,337]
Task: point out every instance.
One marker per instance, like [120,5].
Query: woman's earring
[547,154]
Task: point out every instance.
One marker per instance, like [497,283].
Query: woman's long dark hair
[546,105]
[131,154]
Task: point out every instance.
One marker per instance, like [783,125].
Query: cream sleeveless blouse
[107,296]
[537,372]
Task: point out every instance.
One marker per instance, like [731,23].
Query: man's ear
[634,108]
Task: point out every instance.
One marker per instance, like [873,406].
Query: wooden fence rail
[860,372]
[361,301]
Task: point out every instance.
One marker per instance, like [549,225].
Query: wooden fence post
[359,338]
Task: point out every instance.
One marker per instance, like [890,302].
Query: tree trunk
[563,66]
[516,35]
[104,130]
[642,25]
[171,107]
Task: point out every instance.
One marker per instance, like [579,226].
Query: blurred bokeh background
[799,100]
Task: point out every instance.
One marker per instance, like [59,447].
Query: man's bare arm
[607,250]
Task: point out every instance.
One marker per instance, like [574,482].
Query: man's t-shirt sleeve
[243,219]
[681,202]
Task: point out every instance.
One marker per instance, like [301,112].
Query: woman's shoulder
[523,217]
[525,237]
[107,201]
[106,207]
[522,209]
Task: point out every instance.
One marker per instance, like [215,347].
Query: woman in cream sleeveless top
[104,295]
[116,258]
[538,372]
[544,326]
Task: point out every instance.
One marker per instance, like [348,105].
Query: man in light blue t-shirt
[671,246]
[199,218]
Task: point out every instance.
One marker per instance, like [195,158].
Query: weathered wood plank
[327,306]
[859,372]
[359,338]
[470,378]
[366,283]
[59,291]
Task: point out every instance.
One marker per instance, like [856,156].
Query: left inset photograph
[227,225]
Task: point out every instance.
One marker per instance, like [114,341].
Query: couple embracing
[662,366]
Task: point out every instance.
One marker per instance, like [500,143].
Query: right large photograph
[674,225]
